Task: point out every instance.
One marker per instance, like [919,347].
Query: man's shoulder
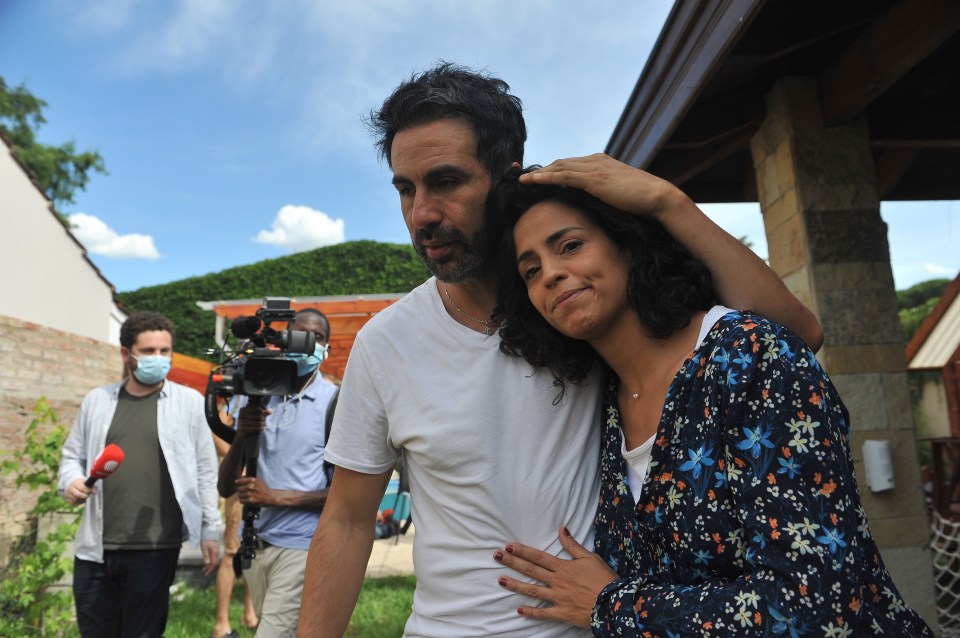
[103,391]
[97,401]
[322,388]
[180,392]
[409,307]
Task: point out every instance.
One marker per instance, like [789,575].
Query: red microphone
[106,464]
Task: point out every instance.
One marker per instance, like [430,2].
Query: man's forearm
[310,501]
[230,468]
[336,565]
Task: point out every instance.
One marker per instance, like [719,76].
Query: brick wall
[38,361]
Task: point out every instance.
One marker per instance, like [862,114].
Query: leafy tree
[918,301]
[60,171]
[920,293]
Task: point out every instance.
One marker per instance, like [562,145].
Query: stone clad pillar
[821,212]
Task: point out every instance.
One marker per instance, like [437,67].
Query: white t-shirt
[638,459]
[490,459]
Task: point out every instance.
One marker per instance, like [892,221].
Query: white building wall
[46,278]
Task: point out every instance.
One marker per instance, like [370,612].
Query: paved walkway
[392,556]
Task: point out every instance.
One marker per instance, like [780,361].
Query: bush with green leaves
[27,608]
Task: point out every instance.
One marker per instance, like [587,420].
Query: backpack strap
[331,408]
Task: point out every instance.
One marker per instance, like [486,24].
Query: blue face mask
[151,370]
[307,363]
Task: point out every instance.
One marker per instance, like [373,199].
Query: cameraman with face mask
[163,493]
[288,485]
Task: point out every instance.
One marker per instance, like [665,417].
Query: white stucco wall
[46,279]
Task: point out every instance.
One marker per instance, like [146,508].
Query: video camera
[260,365]
[259,368]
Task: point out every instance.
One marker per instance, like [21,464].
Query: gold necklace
[489,326]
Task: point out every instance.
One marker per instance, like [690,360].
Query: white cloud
[100,239]
[300,228]
[936,269]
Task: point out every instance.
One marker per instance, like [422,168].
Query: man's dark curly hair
[143,321]
[452,91]
[665,286]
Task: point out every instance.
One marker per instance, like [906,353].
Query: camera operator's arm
[222,446]
[253,491]
[251,419]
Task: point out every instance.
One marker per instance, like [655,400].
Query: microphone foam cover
[245,327]
[108,461]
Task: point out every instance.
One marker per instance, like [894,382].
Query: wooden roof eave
[950,295]
[694,41]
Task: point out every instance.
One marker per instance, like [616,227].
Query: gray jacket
[186,444]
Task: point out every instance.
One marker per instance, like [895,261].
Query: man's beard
[470,259]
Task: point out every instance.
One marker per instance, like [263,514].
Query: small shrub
[27,608]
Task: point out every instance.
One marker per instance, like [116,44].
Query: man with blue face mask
[163,493]
[288,487]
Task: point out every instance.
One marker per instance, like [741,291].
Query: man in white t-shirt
[490,457]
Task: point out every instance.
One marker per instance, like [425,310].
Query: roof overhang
[700,98]
[937,341]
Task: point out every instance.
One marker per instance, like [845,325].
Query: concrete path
[392,556]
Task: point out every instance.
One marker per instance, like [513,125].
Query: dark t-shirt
[140,509]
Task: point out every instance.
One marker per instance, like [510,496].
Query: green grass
[383,607]
[381,611]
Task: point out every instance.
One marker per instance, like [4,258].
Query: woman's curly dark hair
[666,284]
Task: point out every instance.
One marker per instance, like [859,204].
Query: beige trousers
[275,579]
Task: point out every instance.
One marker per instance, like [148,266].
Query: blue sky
[233,133]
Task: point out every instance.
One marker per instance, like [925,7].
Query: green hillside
[351,268]
[916,302]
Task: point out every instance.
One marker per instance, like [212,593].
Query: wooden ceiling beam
[915,123]
[906,35]
[890,166]
[691,163]
[713,120]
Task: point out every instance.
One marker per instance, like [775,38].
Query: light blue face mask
[307,363]
[151,370]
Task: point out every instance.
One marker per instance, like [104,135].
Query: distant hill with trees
[354,268]
[916,302]
[350,268]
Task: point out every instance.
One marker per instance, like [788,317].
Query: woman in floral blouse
[728,503]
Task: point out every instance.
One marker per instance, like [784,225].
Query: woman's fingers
[528,561]
[530,590]
[570,544]
[569,586]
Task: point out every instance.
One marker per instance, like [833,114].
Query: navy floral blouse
[750,522]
